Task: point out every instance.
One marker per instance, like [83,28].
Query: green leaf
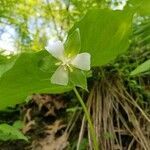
[28,75]
[8,132]
[5,64]
[47,64]
[141,68]
[78,78]
[104,34]
[73,43]
[140,6]
[18,124]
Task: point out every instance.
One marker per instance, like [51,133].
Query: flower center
[66,64]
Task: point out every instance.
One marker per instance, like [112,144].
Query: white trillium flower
[66,62]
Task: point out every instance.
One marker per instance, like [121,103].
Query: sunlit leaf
[28,75]
[104,34]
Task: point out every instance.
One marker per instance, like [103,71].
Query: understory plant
[94,41]
[69,61]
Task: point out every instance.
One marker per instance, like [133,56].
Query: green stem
[87,115]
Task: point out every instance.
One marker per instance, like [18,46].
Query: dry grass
[121,123]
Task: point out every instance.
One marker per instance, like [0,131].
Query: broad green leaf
[8,132]
[27,76]
[140,6]
[30,74]
[104,34]
[73,43]
[141,68]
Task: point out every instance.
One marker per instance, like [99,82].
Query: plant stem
[87,115]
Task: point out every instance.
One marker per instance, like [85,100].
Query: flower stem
[87,115]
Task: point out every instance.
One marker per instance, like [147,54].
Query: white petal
[82,61]
[56,49]
[60,76]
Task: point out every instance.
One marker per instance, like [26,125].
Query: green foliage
[72,48]
[31,72]
[141,68]
[18,124]
[105,34]
[84,144]
[78,78]
[140,6]
[27,77]
[5,64]
[73,43]
[8,132]
[142,32]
